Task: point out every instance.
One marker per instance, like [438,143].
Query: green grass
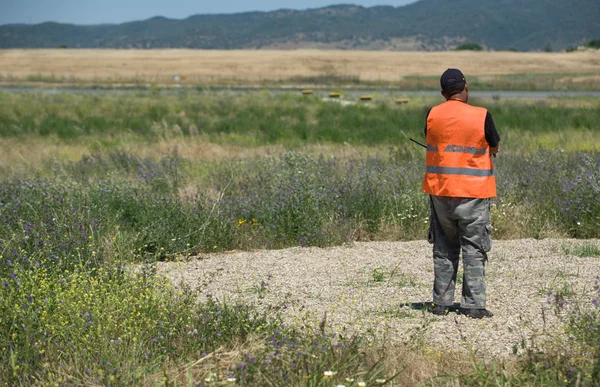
[258,119]
[582,250]
[378,274]
[393,276]
[105,326]
[74,310]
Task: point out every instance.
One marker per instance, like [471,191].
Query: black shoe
[477,313]
[439,310]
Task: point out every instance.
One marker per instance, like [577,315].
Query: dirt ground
[380,288]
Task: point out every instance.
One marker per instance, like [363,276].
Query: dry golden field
[245,66]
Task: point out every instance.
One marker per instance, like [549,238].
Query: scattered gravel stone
[380,288]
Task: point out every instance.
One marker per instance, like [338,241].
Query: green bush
[593,44]
[472,46]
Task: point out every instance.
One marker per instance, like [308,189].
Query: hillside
[526,25]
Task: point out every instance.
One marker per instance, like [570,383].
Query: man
[461,140]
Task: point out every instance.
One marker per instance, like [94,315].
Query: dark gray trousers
[460,224]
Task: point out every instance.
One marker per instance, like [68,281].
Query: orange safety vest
[458,156]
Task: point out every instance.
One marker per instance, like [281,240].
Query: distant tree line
[498,25]
[593,44]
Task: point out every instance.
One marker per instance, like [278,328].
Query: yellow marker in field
[307,92]
[402,100]
[366,97]
[335,94]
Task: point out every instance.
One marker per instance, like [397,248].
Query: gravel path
[380,287]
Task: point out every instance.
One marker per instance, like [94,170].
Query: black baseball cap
[450,78]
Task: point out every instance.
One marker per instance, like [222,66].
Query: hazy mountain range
[525,25]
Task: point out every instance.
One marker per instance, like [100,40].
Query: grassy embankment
[93,183]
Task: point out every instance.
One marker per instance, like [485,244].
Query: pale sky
[119,11]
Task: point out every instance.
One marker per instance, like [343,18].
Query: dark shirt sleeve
[491,134]
[427,116]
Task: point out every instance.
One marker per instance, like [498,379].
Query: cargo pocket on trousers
[486,239]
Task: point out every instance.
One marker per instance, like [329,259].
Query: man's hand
[494,150]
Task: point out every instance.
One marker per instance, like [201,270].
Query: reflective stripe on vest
[458,158]
[465,149]
[460,171]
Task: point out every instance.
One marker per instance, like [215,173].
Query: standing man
[461,140]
